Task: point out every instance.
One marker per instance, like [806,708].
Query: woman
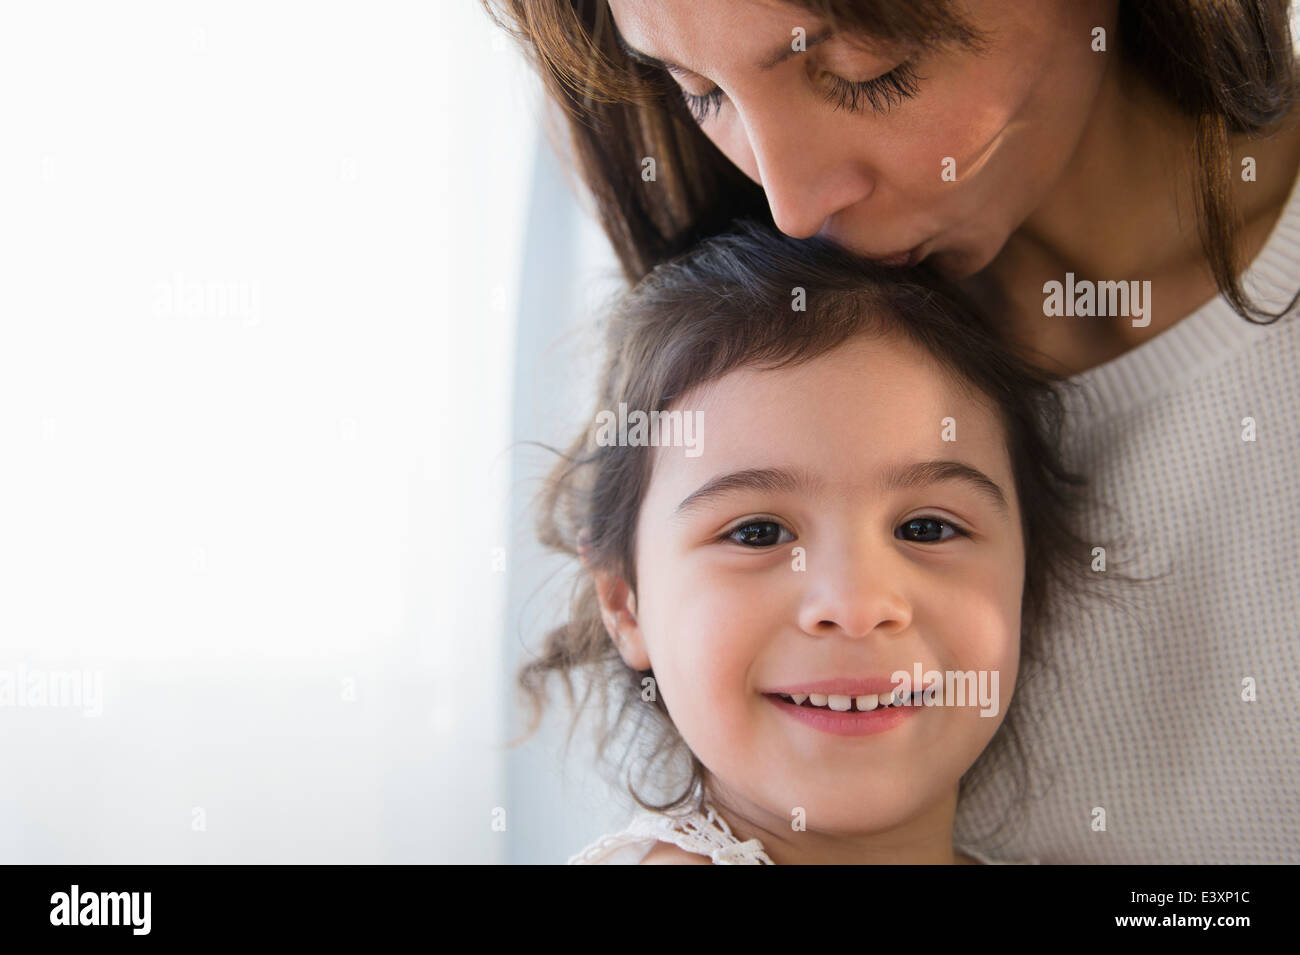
[1099,174]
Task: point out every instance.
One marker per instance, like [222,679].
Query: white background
[264,368]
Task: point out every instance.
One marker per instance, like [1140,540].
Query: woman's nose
[853,593]
[805,172]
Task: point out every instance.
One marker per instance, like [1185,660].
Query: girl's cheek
[726,624]
[713,629]
[981,623]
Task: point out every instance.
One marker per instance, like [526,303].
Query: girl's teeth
[843,704]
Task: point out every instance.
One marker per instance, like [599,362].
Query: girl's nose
[806,174]
[853,595]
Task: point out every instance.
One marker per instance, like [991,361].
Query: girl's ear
[618,611]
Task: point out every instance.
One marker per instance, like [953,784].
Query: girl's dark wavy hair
[727,304]
[1226,65]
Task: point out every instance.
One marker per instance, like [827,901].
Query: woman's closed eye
[881,93]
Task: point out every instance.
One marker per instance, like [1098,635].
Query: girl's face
[853,143]
[828,532]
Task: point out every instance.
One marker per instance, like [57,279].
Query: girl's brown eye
[759,534]
[927,530]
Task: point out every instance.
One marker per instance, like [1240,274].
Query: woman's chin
[960,263]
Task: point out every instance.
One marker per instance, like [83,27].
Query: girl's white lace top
[705,833]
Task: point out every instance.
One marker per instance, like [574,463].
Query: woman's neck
[1125,203]
[1125,209]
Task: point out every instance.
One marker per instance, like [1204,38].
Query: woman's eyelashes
[702,106]
[764,533]
[881,93]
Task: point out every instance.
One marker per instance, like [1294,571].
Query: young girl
[815,505]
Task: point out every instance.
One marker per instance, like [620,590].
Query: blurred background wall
[284,287]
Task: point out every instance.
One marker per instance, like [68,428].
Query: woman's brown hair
[726,304]
[1227,64]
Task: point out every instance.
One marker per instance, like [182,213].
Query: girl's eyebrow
[779,55]
[793,480]
[921,473]
[777,480]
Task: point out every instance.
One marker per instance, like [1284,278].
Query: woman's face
[806,544]
[865,165]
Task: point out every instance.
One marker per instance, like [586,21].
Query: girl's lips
[849,723]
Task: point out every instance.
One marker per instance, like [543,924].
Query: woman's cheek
[727,133]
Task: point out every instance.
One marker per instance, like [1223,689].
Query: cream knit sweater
[1150,719]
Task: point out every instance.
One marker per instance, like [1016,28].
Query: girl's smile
[847,715]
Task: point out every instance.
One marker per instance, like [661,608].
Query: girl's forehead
[847,418]
[867,381]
